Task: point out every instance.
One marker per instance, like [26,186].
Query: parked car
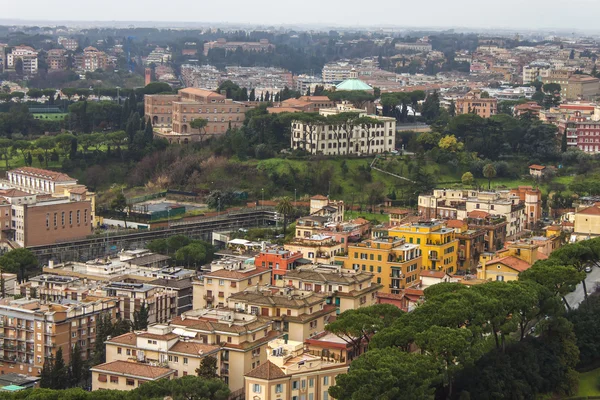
[588,269]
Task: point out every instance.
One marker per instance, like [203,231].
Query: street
[575,298]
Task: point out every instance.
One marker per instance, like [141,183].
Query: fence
[151,196]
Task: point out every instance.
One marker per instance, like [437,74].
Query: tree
[558,279]
[563,142]
[60,373]
[5,152]
[45,143]
[489,172]
[200,124]
[184,388]
[19,261]
[46,374]
[194,254]
[356,327]
[285,208]
[467,179]
[449,143]
[75,366]
[586,324]
[577,255]
[140,318]
[119,204]
[207,368]
[388,374]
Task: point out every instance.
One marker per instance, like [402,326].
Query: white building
[536,70]
[27,55]
[328,138]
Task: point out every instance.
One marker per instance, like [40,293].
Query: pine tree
[149,132]
[563,142]
[75,366]
[140,318]
[46,374]
[207,368]
[252,96]
[59,374]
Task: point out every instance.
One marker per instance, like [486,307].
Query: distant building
[92,59]
[261,45]
[537,171]
[27,55]
[530,108]
[473,103]
[56,59]
[327,139]
[574,86]
[171,115]
[587,223]
[506,265]
[418,46]
[158,56]
[302,104]
[68,44]
[124,375]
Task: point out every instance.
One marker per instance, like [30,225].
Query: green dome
[353,84]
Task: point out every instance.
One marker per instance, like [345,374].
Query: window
[185,360]
[78,217]
[101,378]
[119,350]
[295,385]
[326,395]
[221,282]
[311,382]
[55,218]
[62,218]
[130,382]
[114,379]
[70,217]
[256,388]
[279,388]
[85,216]
[325,380]
[47,220]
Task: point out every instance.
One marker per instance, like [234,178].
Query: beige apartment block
[241,336]
[31,331]
[228,276]
[164,346]
[291,373]
[300,314]
[124,375]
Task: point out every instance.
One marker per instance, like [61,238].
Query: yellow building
[506,264]
[124,375]
[394,263]
[437,242]
[292,373]
[587,223]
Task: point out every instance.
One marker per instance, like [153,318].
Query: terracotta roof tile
[44,173]
[593,210]
[225,273]
[478,214]
[512,262]
[127,338]
[193,348]
[433,274]
[133,369]
[537,167]
[266,371]
[318,197]
[455,223]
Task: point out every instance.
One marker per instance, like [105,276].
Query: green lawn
[369,216]
[588,383]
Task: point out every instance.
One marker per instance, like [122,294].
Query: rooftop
[133,369]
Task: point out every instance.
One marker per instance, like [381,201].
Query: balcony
[209,298]
[433,257]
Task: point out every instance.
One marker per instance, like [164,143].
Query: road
[575,298]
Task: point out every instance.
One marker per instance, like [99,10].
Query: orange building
[473,103]
[279,261]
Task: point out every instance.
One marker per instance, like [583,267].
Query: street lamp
[263,197]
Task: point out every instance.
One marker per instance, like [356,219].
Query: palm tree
[285,207]
[489,172]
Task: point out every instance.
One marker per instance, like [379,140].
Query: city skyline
[465,13]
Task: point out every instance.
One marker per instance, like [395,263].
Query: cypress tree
[59,372]
[75,366]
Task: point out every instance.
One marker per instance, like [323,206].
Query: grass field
[588,383]
[368,216]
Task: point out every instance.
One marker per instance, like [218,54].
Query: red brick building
[279,261]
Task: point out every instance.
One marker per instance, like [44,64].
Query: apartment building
[535,71]
[174,113]
[290,372]
[302,104]
[124,375]
[227,276]
[67,43]
[587,223]
[473,103]
[437,242]
[317,249]
[471,243]
[327,138]
[241,336]
[28,57]
[261,45]
[56,59]
[494,227]
[158,56]
[347,289]
[92,59]
[279,261]
[300,314]
[417,46]
[393,261]
[3,47]
[574,86]
[506,264]
[164,346]
[322,206]
[31,330]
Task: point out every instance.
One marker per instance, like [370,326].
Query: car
[588,269]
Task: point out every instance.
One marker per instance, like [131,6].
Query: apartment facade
[261,45]
[318,249]
[437,242]
[31,331]
[290,372]
[394,262]
[279,261]
[345,288]
[327,138]
[229,276]
[242,338]
[56,59]
[124,375]
[164,346]
[92,59]
[28,57]
[473,103]
[174,113]
[300,314]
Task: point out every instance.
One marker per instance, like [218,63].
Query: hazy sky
[511,14]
